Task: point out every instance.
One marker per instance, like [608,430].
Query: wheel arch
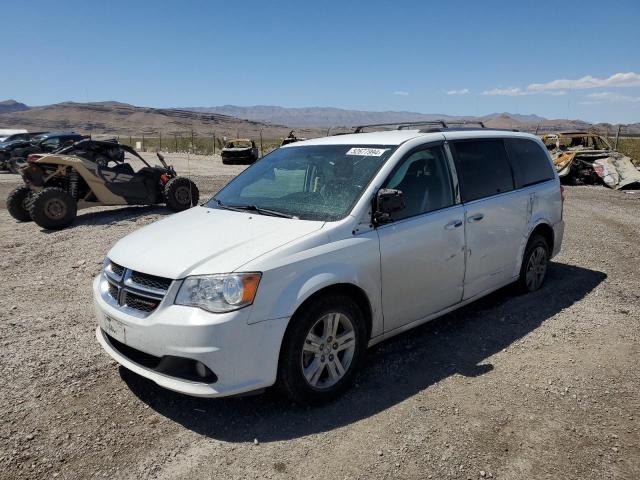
[343,288]
[545,231]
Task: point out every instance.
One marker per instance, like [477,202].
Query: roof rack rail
[464,123]
[402,125]
[436,124]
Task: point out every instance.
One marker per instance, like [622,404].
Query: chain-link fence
[187,142]
[626,142]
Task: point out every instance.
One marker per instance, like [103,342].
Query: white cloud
[507,92]
[629,79]
[611,97]
[401,93]
[463,91]
[518,92]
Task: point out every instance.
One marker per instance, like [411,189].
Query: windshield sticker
[367,152]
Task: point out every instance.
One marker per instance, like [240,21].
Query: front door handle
[452,225]
[475,218]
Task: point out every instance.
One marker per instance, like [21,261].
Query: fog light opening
[202,370]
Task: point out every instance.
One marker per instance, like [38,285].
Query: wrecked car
[291,138]
[57,185]
[239,150]
[15,155]
[585,158]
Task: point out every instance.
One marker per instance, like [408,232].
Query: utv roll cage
[112,143]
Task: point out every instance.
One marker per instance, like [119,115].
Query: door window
[51,143]
[424,179]
[483,168]
[529,161]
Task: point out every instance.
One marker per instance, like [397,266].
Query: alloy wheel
[536,268]
[328,350]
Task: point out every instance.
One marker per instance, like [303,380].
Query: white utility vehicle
[325,247]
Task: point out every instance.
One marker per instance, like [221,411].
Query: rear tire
[53,208]
[18,203]
[534,265]
[318,362]
[181,193]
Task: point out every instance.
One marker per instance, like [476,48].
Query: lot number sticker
[367,152]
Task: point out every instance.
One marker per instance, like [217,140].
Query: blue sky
[465,57]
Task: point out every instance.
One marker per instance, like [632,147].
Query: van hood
[203,240]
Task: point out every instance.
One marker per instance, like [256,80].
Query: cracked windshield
[320,182]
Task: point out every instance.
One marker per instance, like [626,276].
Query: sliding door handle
[452,225]
[475,218]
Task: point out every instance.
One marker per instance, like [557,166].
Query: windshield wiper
[254,208]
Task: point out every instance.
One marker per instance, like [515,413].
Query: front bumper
[244,357]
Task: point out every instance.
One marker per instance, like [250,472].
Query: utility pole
[615,147]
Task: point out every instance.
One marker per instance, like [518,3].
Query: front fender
[354,261]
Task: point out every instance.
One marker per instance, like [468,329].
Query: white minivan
[323,248]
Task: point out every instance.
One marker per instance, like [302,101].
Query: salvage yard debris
[587,158]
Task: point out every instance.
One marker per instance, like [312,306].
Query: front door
[422,250]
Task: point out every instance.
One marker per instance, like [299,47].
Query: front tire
[322,349]
[181,193]
[53,208]
[534,265]
[18,203]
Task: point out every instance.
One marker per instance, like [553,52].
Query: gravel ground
[538,386]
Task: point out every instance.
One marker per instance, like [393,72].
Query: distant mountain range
[12,106]
[115,118]
[331,117]
[121,119]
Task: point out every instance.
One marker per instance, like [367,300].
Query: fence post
[214,143]
[615,147]
[261,149]
[143,143]
[160,147]
[130,142]
[193,148]
[175,135]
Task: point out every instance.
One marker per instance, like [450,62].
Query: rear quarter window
[529,161]
[482,168]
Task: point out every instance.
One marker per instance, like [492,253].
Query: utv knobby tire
[536,243]
[53,208]
[18,203]
[181,193]
[291,380]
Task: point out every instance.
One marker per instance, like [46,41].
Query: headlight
[219,293]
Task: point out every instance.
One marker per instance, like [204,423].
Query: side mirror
[388,201]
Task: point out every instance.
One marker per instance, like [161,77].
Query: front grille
[117,269]
[113,290]
[129,289]
[150,281]
[137,302]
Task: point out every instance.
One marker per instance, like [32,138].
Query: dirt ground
[542,386]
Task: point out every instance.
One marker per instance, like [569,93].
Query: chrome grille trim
[130,295]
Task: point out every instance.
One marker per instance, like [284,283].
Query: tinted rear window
[529,161]
[483,168]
